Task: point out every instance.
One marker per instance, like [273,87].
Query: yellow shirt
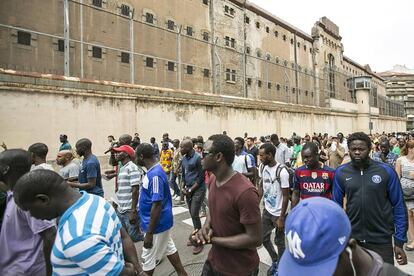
[166,160]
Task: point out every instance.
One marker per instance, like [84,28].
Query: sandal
[407,248]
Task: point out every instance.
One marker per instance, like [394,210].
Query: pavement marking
[408,268]
[190,222]
[178,210]
[264,256]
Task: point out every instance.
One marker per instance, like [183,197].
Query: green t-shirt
[296,150]
[396,150]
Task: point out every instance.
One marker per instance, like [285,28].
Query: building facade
[225,47]
[400,87]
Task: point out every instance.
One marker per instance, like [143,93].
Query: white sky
[380,33]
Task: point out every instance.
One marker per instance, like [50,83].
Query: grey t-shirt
[70,170]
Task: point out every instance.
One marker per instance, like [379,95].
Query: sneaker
[272,271]
[197,249]
[157,262]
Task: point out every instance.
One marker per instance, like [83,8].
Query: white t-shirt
[43,166]
[272,189]
[239,163]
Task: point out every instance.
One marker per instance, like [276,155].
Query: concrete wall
[38,108]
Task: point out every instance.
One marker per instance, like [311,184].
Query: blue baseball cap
[317,232]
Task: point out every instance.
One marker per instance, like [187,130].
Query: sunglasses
[204,153]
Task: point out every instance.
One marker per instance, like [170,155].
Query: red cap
[127,149]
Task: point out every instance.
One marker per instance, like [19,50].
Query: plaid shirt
[390,159]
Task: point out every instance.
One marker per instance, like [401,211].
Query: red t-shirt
[230,206]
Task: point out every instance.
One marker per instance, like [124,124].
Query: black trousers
[194,204]
[386,251]
[268,224]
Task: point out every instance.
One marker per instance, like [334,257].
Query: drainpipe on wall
[244,51]
[81,37]
[179,69]
[219,68]
[213,47]
[131,38]
[296,68]
[66,36]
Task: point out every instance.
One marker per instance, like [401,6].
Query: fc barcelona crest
[325,175]
[314,175]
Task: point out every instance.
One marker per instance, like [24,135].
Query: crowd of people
[337,205]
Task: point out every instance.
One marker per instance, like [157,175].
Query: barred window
[149,62]
[124,57]
[205,36]
[170,25]
[125,10]
[24,38]
[149,18]
[97,3]
[190,31]
[96,52]
[171,66]
[61,45]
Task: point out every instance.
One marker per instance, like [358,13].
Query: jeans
[194,204]
[133,230]
[386,251]
[208,270]
[173,183]
[268,224]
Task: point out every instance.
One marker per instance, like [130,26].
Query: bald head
[186,146]
[64,157]
[83,146]
[84,142]
[125,139]
[42,193]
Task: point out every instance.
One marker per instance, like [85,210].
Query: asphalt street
[193,263]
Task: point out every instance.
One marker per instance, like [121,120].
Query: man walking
[282,151]
[129,179]
[374,201]
[194,188]
[156,213]
[252,149]
[155,146]
[233,224]
[313,178]
[25,241]
[89,178]
[91,239]
[38,153]
[65,144]
[274,186]
[320,243]
[243,163]
[385,155]
[70,169]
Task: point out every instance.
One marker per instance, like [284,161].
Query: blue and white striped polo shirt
[88,239]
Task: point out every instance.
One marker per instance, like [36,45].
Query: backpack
[252,178]
[279,169]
